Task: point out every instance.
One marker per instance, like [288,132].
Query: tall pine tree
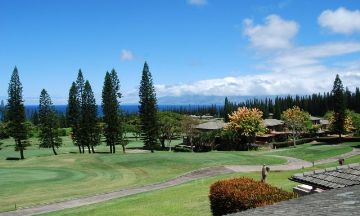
[80,84]
[110,105]
[227,110]
[89,128]
[74,112]
[15,114]
[49,123]
[74,115]
[148,110]
[339,107]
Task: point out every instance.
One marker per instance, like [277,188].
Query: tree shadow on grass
[358,146]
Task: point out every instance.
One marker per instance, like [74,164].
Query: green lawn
[317,151]
[191,198]
[43,177]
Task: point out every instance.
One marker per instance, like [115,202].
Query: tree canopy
[296,120]
[15,114]
[113,128]
[246,122]
[338,125]
[49,123]
[148,110]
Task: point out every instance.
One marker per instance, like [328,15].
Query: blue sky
[193,47]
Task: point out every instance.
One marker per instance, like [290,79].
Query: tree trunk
[162,141]
[111,150]
[191,144]
[169,146]
[53,148]
[89,149]
[22,154]
[92,149]
[21,149]
[123,147]
[339,137]
[114,149]
[79,149]
[294,138]
[83,150]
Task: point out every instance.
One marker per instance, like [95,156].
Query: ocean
[129,109]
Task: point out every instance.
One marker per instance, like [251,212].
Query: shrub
[335,140]
[291,143]
[3,132]
[182,148]
[205,141]
[62,132]
[239,194]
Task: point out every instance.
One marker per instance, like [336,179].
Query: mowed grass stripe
[188,199]
[315,151]
[55,178]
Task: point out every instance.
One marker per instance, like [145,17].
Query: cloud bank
[286,69]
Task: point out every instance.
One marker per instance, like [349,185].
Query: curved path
[354,152]
[292,164]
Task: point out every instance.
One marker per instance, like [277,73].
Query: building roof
[330,178]
[313,118]
[342,201]
[272,122]
[324,122]
[211,125]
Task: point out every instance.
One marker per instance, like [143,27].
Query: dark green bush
[239,194]
[3,131]
[62,132]
[291,143]
[181,148]
[337,140]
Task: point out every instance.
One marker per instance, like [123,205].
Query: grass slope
[315,151]
[191,198]
[43,177]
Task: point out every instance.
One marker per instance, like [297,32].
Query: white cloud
[311,55]
[276,33]
[297,70]
[197,2]
[286,69]
[126,55]
[341,20]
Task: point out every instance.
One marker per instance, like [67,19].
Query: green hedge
[291,143]
[181,148]
[331,140]
[337,140]
[239,194]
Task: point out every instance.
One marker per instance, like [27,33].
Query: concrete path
[292,164]
[354,152]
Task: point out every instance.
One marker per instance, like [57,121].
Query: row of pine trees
[82,114]
[315,104]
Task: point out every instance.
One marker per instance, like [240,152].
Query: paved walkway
[292,164]
[354,152]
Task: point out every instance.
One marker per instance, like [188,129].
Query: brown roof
[211,125]
[342,201]
[272,122]
[330,178]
